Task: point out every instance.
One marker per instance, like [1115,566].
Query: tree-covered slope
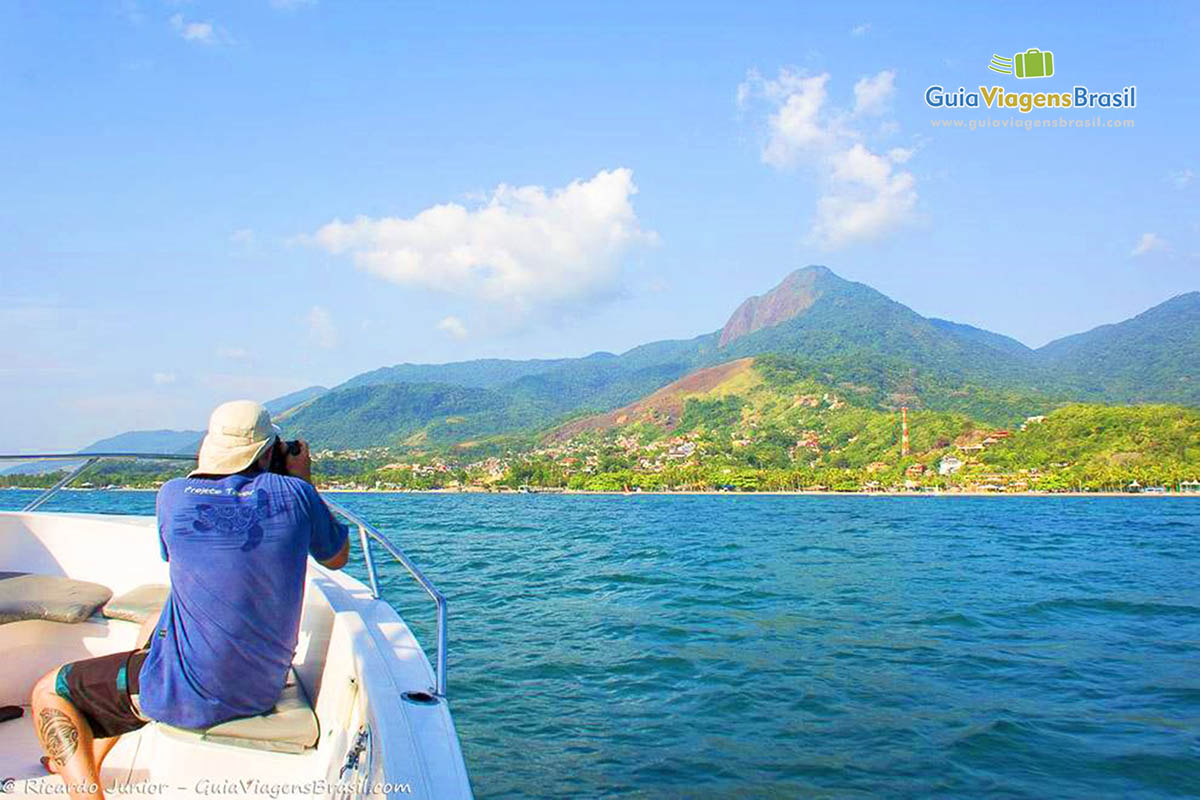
[761,424]
[995,341]
[163,441]
[1153,357]
[1158,440]
[814,325]
[485,373]
[379,416]
[850,321]
[287,402]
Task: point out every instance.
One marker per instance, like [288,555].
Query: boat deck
[379,731]
[22,752]
[127,768]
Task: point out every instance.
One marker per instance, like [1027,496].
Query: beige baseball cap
[239,432]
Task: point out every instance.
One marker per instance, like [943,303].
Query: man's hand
[300,465]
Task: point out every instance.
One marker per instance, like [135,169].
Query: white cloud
[233,353]
[861,30]
[797,124]
[1150,243]
[524,248]
[1182,178]
[864,194]
[873,93]
[865,199]
[164,378]
[200,32]
[321,329]
[454,327]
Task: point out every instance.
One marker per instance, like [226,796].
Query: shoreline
[686,493]
[780,493]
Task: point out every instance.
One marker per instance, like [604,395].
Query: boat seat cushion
[138,605]
[290,727]
[49,597]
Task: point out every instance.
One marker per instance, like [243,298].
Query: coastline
[686,493]
[773,493]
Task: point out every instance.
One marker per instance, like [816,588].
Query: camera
[280,452]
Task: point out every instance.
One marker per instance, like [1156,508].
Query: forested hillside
[814,325]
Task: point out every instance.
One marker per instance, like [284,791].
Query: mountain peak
[794,295]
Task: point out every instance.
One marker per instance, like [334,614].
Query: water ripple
[780,647]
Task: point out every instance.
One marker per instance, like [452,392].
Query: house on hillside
[950,465]
[682,450]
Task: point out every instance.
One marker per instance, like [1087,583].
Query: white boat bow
[367,716]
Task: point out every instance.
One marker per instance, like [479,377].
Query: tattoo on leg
[59,735]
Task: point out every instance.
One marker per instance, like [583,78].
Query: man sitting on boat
[236,536]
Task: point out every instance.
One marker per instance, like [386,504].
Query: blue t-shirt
[237,548]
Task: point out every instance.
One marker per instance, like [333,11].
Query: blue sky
[207,200]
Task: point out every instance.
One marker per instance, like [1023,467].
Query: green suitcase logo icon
[1034,63]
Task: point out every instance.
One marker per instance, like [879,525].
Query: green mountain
[758,423]
[163,441]
[387,414]
[996,341]
[287,402]
[187,441]
[1151,358]
[485,373]
[849,331]
[836,332]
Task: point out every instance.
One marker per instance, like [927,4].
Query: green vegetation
[1151,358]
[131,474]
[790,432]
[822,408]
[1104,447]
[779,436]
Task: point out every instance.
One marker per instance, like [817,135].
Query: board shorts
[105,691]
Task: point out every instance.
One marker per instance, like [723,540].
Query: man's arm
[300,466]
[339,560]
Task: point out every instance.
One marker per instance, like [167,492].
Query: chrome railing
[366,534]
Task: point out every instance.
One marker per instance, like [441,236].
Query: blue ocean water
[779,647]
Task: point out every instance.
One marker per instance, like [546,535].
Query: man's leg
[100,749]
[67,739]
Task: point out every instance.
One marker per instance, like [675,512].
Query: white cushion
[290,727]
[49,597]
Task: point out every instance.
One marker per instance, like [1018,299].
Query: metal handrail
[366,533]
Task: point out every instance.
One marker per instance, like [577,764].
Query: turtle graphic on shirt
[236,519]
